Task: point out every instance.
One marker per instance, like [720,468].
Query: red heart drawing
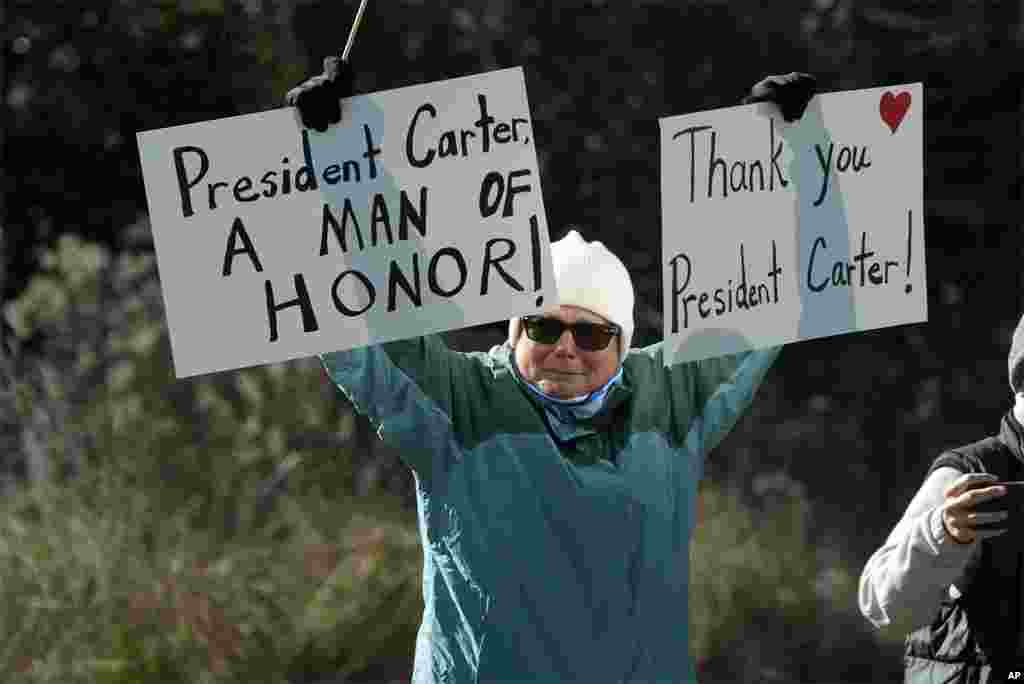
[893,108]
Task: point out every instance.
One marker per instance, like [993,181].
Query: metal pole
[352,31]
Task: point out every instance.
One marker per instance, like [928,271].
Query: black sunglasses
[587,336]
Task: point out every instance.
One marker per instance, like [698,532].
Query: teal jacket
[549,561]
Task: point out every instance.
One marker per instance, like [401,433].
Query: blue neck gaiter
[562,414]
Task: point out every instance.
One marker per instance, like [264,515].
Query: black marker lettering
[309,323]
[185,184]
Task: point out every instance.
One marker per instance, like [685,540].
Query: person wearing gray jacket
[949,576]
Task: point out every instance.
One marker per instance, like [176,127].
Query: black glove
[318,98]
[791,92]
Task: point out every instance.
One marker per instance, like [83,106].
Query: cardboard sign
[775,232]
[421,212]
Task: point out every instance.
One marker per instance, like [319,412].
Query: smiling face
[562,369]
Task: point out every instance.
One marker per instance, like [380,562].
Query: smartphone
[1012,502]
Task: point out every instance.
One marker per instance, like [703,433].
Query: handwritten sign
[421,212]
[775,232]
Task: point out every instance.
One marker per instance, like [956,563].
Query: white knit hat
[589,276]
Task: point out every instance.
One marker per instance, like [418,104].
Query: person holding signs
[556,475]
[949,574]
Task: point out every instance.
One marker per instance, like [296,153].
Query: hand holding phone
[979,506]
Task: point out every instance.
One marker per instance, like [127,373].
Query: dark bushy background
[149,532]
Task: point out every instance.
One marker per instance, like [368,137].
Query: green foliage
[740,563]
[86,598]
[159,560]
[763,598]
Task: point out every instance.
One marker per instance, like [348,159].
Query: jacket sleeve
[414,391]
[706,398]
[725,388]
[904,581]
